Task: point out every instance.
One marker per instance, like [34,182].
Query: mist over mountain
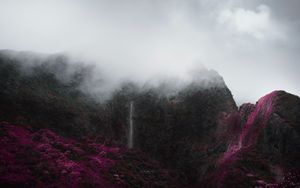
[254,44]
[95,80]
[62,127]
[149,93]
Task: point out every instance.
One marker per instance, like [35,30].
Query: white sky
[254,44]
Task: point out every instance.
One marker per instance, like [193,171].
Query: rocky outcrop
[280,140]
[267,150]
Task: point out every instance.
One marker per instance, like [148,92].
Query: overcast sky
[253,44]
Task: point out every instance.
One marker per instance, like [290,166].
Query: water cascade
[130,128]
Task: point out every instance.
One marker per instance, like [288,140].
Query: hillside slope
[44,159]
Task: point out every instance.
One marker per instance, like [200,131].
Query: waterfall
[130,132]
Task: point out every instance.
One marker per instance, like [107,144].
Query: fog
[254,45]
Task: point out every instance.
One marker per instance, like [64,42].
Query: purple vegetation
[44,159]
[231,169]
[246,137]
[257,120]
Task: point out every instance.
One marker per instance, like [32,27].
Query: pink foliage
[44,159]
[256,121]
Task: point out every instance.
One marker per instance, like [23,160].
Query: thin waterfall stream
[130,132]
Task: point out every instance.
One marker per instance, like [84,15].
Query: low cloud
[253,44]
[257,23]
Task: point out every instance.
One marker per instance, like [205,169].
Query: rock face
[281,138]
[178,130]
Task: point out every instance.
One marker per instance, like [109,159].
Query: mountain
[60,135]
[35,92]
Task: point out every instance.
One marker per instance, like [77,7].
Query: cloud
[253,44]
[257,23]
